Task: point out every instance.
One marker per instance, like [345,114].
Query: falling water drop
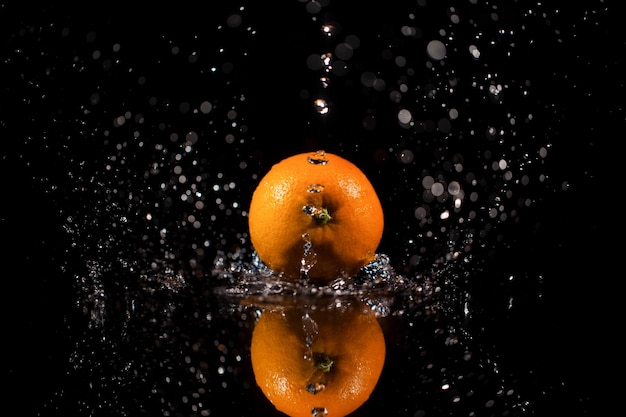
[321,106]
[436,50]
[318,158]
[309,257]
[327,60]
[315,188]
[329,30]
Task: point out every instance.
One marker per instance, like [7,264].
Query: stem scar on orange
[331,369]
[315,214]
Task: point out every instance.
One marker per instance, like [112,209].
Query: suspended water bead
[329,30]
[405,117]
[436,50]
[315,188]
[406,156]
[318,158]
[206,107]
[454,188]
[315,387]
[327,61]
[319,412]
[321,106]
[437,189]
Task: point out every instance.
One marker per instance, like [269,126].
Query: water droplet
[321,106]
[406,156]
[315,188]
[329,30]
[405,116]
[315,387]
[437,189]
[327,60]
[454,188]
[474,51]
[319,412]
[436,50]
[320,215]
[318,158]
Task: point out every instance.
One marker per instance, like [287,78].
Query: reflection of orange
[321,199]
[334,373]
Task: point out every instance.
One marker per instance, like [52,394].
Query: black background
[573,237]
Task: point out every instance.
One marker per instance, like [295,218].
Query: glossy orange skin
[280,227]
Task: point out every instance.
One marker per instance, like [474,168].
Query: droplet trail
[309,257]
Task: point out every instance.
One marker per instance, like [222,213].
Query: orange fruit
[315,214]
[317,362]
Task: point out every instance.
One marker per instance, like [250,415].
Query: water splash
[377,283]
